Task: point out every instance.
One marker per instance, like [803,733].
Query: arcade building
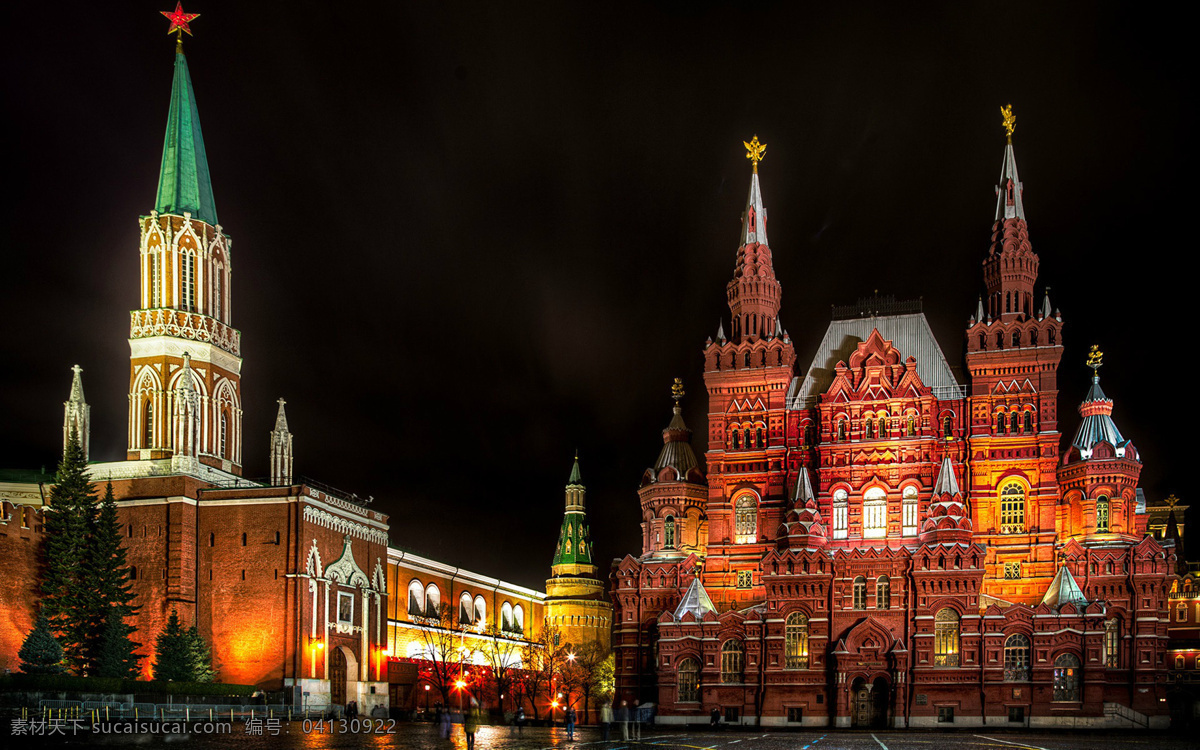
[879,543]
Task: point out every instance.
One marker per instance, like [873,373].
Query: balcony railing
[185,325]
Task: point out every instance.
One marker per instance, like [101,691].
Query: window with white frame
[909,510]
[1012,508]
[217,294]
[874,513]
[433,601]
[518,619]
[506,617]
[745,519]
[841,514]
[187,286]
[416,599]
[466,609]
[155,294]
[1102,514]
[345,610]
[480,618]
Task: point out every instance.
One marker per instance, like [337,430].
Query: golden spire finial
[1010,121]
[677,389]
[1095,357]
[1171,501]
[755,151]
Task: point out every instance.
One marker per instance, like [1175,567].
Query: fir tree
[107,575]
[67,602]
[173,652]
[115,656]
[40,653]
[199,657]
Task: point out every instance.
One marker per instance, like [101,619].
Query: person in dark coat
[714,718]
[623,719]
[570,723]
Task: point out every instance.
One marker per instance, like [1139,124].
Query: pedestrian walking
[519,720]
[714,718]
[471,723]
[623,719]
[570,723]
[445,724]
[606,718]
[637,719]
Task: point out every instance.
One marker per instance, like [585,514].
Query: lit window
[860,593]
[795,635]
[874,513]
[465,609]
[945,638]
[154,284]
[1012,571]
[883,593]
[480,611]
[732,654]
[689,681]
[416,599]
[217,294]
[841,514]
[224,433]
[947,428]
[518,619]
[433,602]
[1111,634]
[745,579]
[912,427]
[841,430]
[187,286]
[909,511]
[745,520]
[506,617]
[1102,514]
[669,532]
[1012,508]
[1016,659]
[1066,678]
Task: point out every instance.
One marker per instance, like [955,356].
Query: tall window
[217,299]
[945,638]
[1001,423]
[1012,508]
[506,618]
[883,593]
[1102,514]
[870,429]
[1066,678]
[909,511]
[841,431]
[795,641]
[669,532]
[416,599]
[224,433]
[1111,634]
[912,427]
[860,593]
[689,681]
[465,609]
[433,601]
[841,514]
[1015,423]
[518,619]
[147,424]
[1029,422]
[187,285]
[480,616]
[1016,658]
[745,519]
[732,654]
[883,430]
[874,513]
[947,427]
[155,295]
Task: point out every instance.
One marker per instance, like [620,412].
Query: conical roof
[947,482]
[1097,424]
[1009,204]
[696,601]
[183,180]
[281,424]
[677,450]
[1064,590]
[77,384]
[576,477]
[754,220]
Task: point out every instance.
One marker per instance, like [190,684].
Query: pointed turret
[187,412]
[754,293]
[947,482]
[672,492]
[77,415]
[1064,590]
[1097,425]
[281,449]
[1011,268]
[575,598]
[183,180]
[695,601]
[803,525]
[573,555]
[947,520]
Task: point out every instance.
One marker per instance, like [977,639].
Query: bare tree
[503,655]
[442,652]
[542,657]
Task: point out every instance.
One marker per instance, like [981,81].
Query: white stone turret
[77,415]
[281,449]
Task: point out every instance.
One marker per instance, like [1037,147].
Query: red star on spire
[179,19]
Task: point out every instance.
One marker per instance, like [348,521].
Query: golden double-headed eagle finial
[1095,358]
[677,389]
[1010,121]
[755,151]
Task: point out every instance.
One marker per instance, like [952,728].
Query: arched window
[1001,423]
[841,514]
[1033,337]
[1112,631]
[1012,508]
[465,609]
[734,436]
[874,513]
[795,641]
[689,681]
[1016,338]
[518,619]
[480,611]
[732,655]
[759,441]
[133,572]
[224,434]
[945,638]
[187,285]
[1102,514]
[883,430]
[147,423]
[745,520]
[909,511]
[217,294]
[1016,659]
[669,532]
[999,339]
[155,295]
[841,430]
[870,428]
[749,436]
[947,428]
[912,427]
[433,601]
[1015,423]
[1050,336]
[747,359]
[1029,422]
[416,599]
[883,593]
[1066,678]
[983,341]
[860,593]
[506,617]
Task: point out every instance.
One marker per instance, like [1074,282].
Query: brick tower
[185,313]
[1012,355]
[575,599]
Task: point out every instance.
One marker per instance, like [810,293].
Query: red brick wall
[20,540]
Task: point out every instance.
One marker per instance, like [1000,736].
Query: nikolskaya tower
[185,395]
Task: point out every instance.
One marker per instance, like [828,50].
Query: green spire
[574,541]
[576,477]
[183,181]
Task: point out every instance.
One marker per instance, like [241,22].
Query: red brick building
[879,543]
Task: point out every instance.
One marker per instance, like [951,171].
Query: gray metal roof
[804,491]
[1099,425]
[1008,170]
[754,202]
[677,450]
[947,483]
[909,333]
[695,601]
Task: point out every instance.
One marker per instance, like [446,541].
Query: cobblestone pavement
[422,736]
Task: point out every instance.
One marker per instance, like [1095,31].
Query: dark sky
[471,238]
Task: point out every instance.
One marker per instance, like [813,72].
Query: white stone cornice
[344,525]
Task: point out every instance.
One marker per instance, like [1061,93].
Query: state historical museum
[878,544]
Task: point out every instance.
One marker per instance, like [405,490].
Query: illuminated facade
[576,606]
[877,543]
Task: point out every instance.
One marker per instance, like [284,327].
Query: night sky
[469,239]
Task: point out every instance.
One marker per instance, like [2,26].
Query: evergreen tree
[40,653]
[173,652]
[67,602]
[115,656]
[107,575]
[199,657]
